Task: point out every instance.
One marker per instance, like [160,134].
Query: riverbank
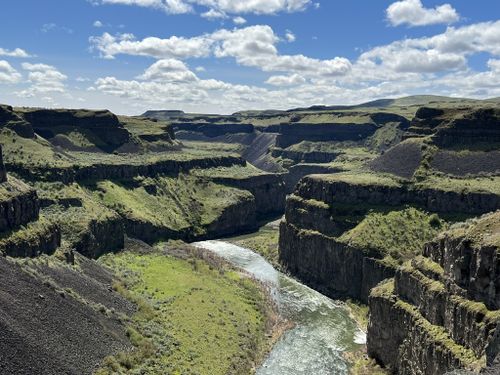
[265,243]
[196,313]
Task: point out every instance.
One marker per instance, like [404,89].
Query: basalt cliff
[346,232]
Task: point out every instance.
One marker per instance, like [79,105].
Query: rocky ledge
[440,312]
[18,204]
[103,124]
[457,126]
[323,207]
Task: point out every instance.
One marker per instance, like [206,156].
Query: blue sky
[228,55]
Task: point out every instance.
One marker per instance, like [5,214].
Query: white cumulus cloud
[168,6]
[174,47]
[169,70]
[44,79]
[291,80]
[413,13]
[290,37]
[8,74]
[18,52]
[212,7]
[239,20]
[254,46]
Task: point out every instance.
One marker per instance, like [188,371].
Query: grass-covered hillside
[196,315]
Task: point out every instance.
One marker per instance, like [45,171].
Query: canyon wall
[325,206]
[441,311]
[122,170]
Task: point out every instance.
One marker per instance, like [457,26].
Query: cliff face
[103,124]
[268,190]
[37,238]
[3,172]
[18,204]
[101,237]
[338,129]
[441,311]
[457,126]
[122,170]
[12,120]
[470,258]
[298,171]
[324,207]
[22,232]
[334,268]
[297,132]
[214,130]
[306,157]
[338,190]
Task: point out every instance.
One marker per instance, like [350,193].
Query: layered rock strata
[325,206]
[441,312]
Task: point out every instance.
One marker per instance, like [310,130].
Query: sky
[222,56]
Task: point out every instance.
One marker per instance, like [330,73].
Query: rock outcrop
[292,133]
[10,119]
[376,190]
[3,172]
[22,232]
[101,236]
[440,312]
[457,126]
[18,204]
[268,190]
[325,206]
[122,169]
[39,237]
[103,124]
[343,130]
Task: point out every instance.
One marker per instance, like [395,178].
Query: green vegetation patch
[74,209]
[35,152]
[489,184]
[142,126]
[428,267]
[360,178]
[30,235]
[233,172]
[12,188]
[396,235]
[177,203]
[193,318]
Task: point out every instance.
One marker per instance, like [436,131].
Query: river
[323,329]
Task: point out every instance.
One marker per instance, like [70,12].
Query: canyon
[392,205]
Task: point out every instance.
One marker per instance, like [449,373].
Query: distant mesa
[163,114]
